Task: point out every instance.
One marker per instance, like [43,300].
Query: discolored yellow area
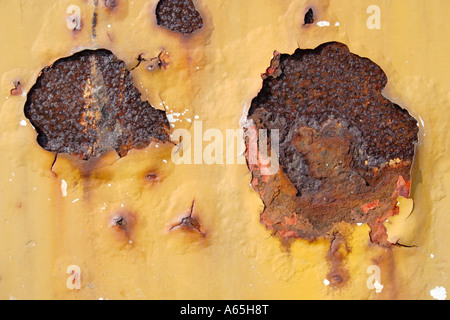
[55,216]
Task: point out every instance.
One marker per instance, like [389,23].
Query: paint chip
[439,293]
[323,24]
[64,188]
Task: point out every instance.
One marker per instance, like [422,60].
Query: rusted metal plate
[87,104]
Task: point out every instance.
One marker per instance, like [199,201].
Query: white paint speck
[326,282]
[23,123]
[196,117]
[164,160]
[75,200]
[109,26]
[64,188]
[432,256]
[337,24]
[323,24]
[439,293]
[358,224]
[378,286]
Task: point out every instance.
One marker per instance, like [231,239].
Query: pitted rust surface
[87,104]
[345,150]
[179,16]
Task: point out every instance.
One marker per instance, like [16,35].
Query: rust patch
[17,90]
[309,17]
[110,4]
[87,104]
[178,16]
[345,150]
[162,61]
[337,255]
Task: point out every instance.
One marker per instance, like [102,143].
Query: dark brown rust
[309,17]
[345,150]
[179,16]
[87,104]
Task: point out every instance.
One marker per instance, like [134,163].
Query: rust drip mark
[309,17]
[17,90]
[86,104]
[345,150]
[178,16]
[189,223]
[337,256]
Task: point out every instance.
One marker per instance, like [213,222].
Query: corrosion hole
[123,223]
[189,222]
[309,17]
[345,151]
[87,104]
[179,16]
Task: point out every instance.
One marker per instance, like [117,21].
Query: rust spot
[162,61]
[309,17]
[179,16]
[190,223]
[152,177]
[345,150]
[94,23]
[110,4]
[17,90]
[274,70]
[87,104]
[124,223]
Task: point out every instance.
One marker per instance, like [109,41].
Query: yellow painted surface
[214,74]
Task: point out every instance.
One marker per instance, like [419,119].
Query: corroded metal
[179,16]
[345,150]
[87,104]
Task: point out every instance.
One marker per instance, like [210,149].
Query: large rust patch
[87,104]
[179,16]
[345,150]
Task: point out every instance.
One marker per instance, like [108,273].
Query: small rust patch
[309,17]
[17,90]
[345,150]
[152,177]
[124,224]
[162,61]
[179,16]
[87,104]
[274,70]
[110,4]
[189,223]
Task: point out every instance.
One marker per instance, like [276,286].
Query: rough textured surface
[344,148]
[179,16]
[87,104]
